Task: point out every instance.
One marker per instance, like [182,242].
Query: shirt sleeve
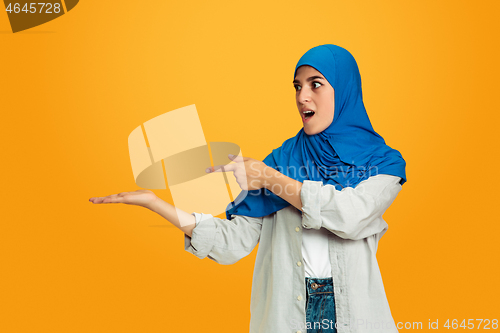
[201,217]
[221,240]
[352,213]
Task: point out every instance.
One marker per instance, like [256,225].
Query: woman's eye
[296,87]
[317,83]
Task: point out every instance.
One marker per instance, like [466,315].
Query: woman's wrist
[154,205]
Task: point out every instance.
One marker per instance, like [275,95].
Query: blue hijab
[344,154]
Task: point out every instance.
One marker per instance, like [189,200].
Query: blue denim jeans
[320,306]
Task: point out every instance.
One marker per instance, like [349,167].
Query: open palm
[142,198]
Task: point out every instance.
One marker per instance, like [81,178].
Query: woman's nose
[304,96]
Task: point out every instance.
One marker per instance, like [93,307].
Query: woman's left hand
[250,174]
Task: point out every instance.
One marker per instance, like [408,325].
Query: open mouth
[306,115]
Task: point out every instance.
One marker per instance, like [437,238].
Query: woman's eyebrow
[310,79]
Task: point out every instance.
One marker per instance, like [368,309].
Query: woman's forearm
[283,186]
[182,220]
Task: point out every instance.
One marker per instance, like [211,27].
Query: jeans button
[314,286]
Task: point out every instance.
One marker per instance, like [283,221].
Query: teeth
[307,112]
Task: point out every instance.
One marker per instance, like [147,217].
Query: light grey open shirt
[354,218]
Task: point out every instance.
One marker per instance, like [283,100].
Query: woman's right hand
[144,198]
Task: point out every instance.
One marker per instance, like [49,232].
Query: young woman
[315,205]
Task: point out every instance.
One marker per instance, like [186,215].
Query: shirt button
[297,229]
[299,263]
[299,331]
[299,298]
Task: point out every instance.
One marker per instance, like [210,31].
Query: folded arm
[221,240]
[352,213]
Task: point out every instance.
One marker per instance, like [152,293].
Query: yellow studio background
[74,88]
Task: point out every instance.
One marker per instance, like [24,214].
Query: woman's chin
[309,131]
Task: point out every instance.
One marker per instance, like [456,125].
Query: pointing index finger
[236,158]
[221,168]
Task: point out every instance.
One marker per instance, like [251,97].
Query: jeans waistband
[319,285]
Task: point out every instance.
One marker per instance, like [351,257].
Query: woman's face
[314,93]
